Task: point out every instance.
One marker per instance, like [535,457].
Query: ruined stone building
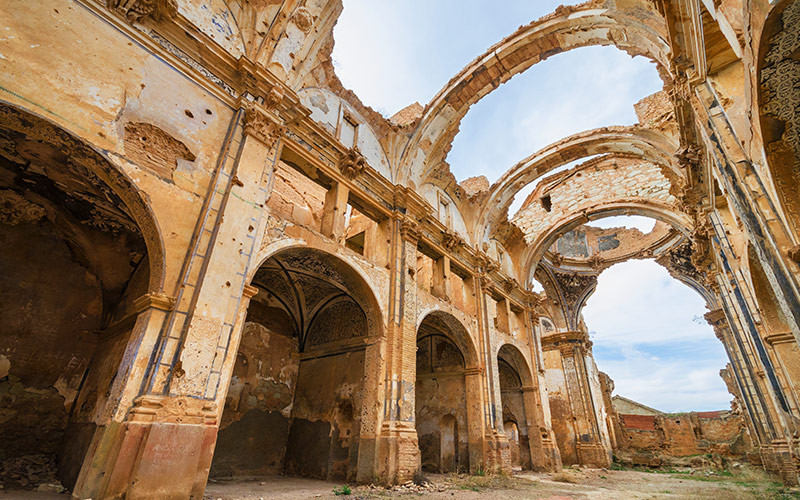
[216,260]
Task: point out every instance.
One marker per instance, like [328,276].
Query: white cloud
[643,224]
[395,53]
[645,338]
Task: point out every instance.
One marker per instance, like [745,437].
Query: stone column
[544,450]
[476,436]
[162,447]
[398,447]
[573,348]
[497,450]
[333,212]
[767,434]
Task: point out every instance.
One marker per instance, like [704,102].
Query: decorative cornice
[779,338]
[566,340]
[716,317]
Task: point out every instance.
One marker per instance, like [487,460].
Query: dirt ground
[596,484]
[572,484]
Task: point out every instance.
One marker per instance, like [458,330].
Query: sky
[650,336]
[395,53]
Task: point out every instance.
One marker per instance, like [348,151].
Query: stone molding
[140,10]
[779,338]
[173,409]
[159,301]
[250,291]
[259,125]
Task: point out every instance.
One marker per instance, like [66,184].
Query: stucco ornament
[138,10]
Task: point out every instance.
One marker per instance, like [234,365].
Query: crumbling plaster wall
[581,190]
[94,92]
[682,438]
[560,408]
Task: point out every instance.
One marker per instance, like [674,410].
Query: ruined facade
[217,261]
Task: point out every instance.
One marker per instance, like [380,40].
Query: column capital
[259,124]
[409,230]
[718,321]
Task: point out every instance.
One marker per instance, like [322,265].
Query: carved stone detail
[451,240]
[139,10]
[574,285]
[718,321]
[679,261]
[178,409]
[409,230]
[352,163]
[303,19]
[258,124]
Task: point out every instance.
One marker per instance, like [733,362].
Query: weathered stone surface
[204,235]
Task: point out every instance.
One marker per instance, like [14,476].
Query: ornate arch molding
[594,23]
[540,243]
[448,325]
[99,170]
[678,263]
[779,103]
[516,360]
[310,283]
[637,142]
[573,289]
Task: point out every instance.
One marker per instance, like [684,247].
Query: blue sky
[395,53]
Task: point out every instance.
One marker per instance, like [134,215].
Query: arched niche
[444,352]
[302,371]
[342,120]
[78,246]
[514,375]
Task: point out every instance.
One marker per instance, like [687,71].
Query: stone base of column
[551,457]
[777,459]
[164,450]
[593,455]
[398,458]
[497,455]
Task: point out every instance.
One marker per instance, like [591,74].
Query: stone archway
[78,246]
[516,391]
[300,371]
[442,394]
